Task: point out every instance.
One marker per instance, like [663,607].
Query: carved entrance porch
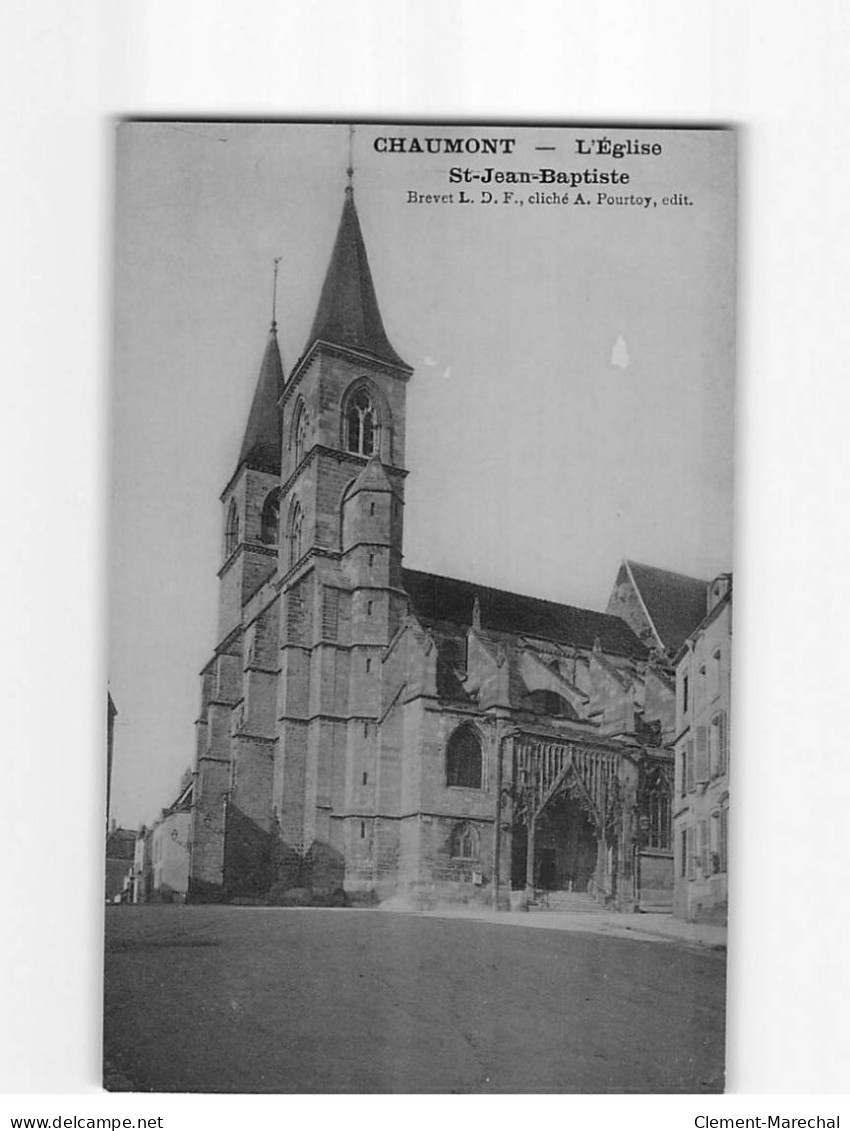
[572,815]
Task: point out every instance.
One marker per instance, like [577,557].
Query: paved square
[219,999]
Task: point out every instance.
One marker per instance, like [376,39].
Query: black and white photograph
[420,607]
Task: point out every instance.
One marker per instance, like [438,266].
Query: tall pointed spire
[261,446]
[348,313]
[349,188]
[277,260]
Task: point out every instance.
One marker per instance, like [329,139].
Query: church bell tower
[341,512]
[249,554]
[287,774]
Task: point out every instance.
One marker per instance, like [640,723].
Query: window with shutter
[714,747]
[724,839]
[715,846]
[689,764]
[703,847]
[717,745]
[701,761]
[724,743]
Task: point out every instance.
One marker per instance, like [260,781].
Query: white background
[780,69]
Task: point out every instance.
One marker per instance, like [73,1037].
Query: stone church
[369,731]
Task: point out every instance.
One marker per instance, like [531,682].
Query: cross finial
[349,188]
[274,293]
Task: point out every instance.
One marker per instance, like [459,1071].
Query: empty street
[222,999]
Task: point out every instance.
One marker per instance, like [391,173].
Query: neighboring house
[142,878]
[701,790]
[389,732]
[161,871]
[120,851]
[170,857]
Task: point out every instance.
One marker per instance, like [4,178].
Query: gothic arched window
[299,433]
[231,530]
[294,533]
[463,758]
[718,745]
[657,802]
[270,517]
[464,844]
[361,423]
[546,702]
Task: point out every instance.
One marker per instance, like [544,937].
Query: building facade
[161,864]
[369,731]
[701,794]
[120,846]
[142,878]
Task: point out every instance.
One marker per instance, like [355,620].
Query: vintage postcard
[421,608]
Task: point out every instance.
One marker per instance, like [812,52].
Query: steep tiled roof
[441,599]
[675,603]
[261,447]
[348,313]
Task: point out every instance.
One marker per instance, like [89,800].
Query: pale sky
[572,398]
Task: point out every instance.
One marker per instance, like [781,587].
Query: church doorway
[548,870]
[566,848]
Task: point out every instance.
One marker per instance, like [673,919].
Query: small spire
[349,188]
[262,443]
[274,294]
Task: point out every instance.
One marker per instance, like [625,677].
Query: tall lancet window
[269,518]
[299,433]
[361,424]
[231,530]
[296,524]
[463,758]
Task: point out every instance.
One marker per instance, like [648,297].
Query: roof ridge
[440,598]
[663,569]
[513,593]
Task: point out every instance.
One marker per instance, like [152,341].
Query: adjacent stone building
[369,731]
[169,850]
[120,846]
[142,871]
[161,864]
[701,801]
